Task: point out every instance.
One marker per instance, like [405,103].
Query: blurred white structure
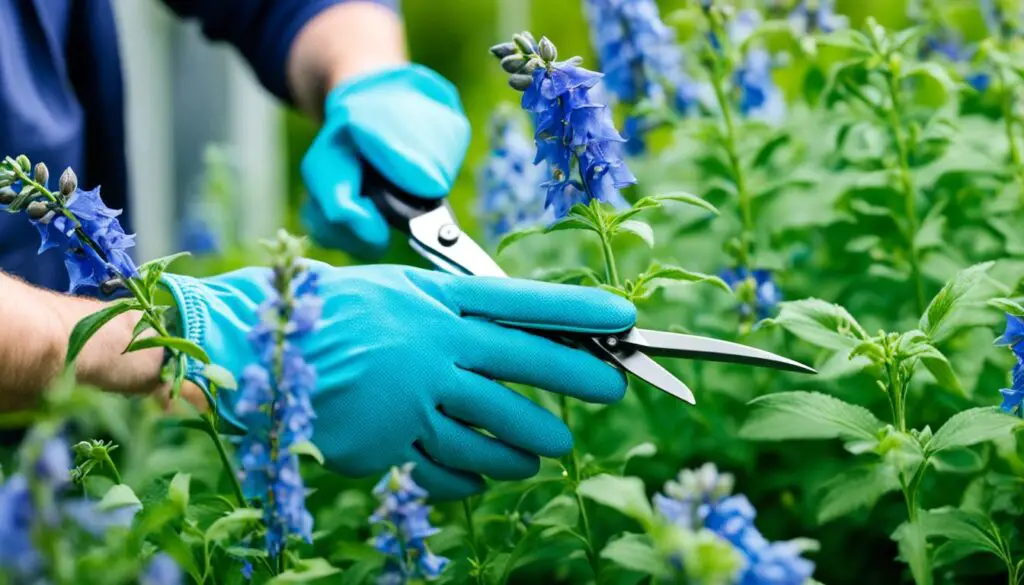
[183,93]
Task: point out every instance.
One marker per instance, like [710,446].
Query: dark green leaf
[625,494]
[820,323]
[560,511]
[950,296]
[971,427]
[808,415]
[516,236]
[175,343]
[88,326]
[963,526]
[856,489]
[152,271]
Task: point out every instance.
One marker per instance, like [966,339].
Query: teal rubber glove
[407,362]
[407,123]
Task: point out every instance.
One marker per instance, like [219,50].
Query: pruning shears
[435,234]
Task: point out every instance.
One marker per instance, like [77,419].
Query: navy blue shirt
[61,95]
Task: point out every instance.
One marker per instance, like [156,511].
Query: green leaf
[516,236]
[119,496]
[639,229]
[688,198]
[913,547]
[944,303]
[934,71]
[89,325]
[560,511]
[929,235]
[307,448]
[668,272]
[808,415]
[346,550]
[963,526]
[579,274]
[820,323]
[175,343]
[152,271]
[233,522]
[305,571]
[856,489]
[573,222]
[1008,306]
[940,367]
[635,552]
[971,427]
[625,494]
[850,39]
[178,491]
[220,377]
[957,461]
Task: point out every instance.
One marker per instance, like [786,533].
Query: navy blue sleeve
[263,30]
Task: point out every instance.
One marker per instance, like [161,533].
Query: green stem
[222,452]
[907,186]
[471,529]
[574,481]
[611,273]
[736,166]
[113,468]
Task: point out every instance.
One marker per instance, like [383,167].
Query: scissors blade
[650,371]
[664,343]
[437,236]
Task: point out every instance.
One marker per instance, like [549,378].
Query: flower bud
[68,182]
[42,174]
[519,81]
[37,210]
[24,163]
[513,63]
[503,50]
[7,196]
[547,50]
[83,449]
[525,43]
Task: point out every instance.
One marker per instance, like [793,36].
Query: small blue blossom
[406,526]
[575,137]
[702,499]
[509,182]
[1013,335]
[816,16]
[274,405]
[759,293]
[161,570]
[87,268]
[639,57]
[760,98]
[17,515]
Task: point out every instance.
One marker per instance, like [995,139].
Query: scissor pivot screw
[448,234]
[612,342]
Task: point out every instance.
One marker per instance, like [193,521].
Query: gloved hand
[407,359]
[407,123]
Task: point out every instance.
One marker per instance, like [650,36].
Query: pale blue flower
[508,182]
[766,293]
[161,570]
[406,526]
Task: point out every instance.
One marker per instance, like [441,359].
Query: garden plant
[772,173]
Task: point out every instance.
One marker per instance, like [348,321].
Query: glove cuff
[423,79]
[193,315]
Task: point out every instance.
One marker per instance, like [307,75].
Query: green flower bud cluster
[521,56]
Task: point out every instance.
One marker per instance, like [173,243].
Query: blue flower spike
[406,526]
[703,498]
[574,134]
[1013,337]
[509,182]
[274,398]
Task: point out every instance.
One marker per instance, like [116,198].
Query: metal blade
[663,343]
[650,371]
[437,236]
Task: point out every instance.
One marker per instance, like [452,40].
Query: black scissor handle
[397,206]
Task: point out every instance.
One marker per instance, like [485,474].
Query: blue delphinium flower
[760,98]
[759,294]
[406,526]
[1013,337]
[274,405]
[574,133]
[509,182]
[161,570]
[702,499]
[87,267]
[816,16]
[639,58]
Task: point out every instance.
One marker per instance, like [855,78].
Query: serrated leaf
[808,415]
[88,326]
[625,494]
[307,448]
[233,522]
[913,547]
[175,343]
[560,511]
[220,377]
[820,323]
[971,427]
[516,236]
[152,271]
[1007,306]
[639,229]
[635,552]
[305,571]
[963,526]
[179,490]
[856,489]
[944,303]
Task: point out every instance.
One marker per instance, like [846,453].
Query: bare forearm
[34,330]
[345,40]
